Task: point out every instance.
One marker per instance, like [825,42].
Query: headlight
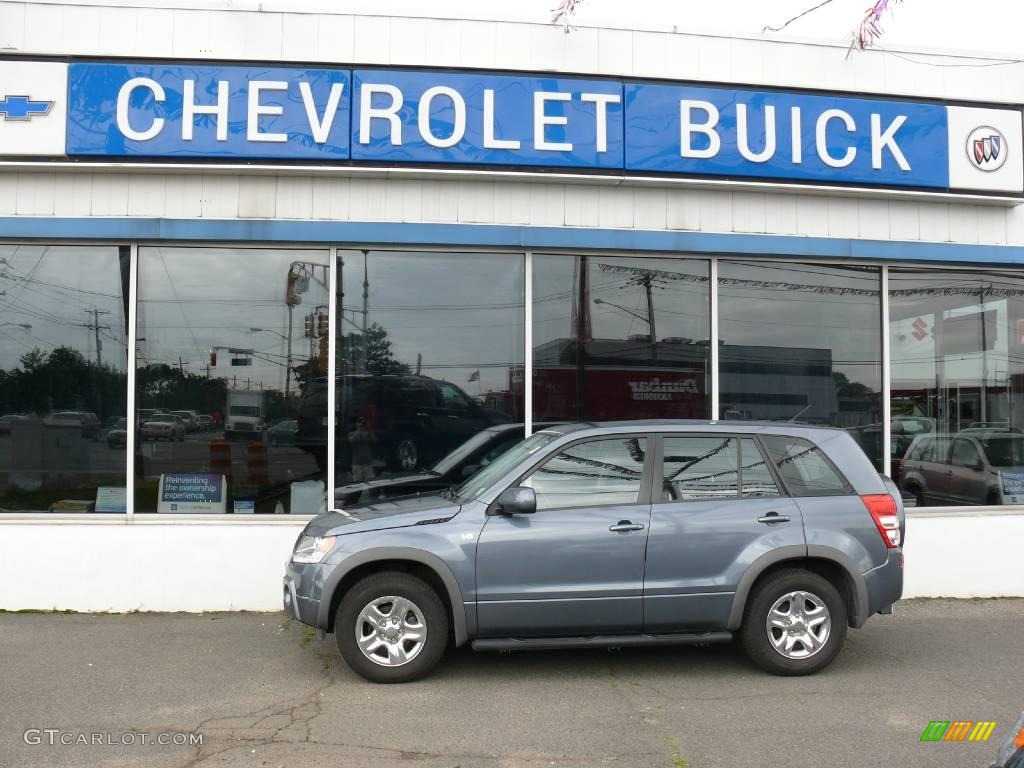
[312,549]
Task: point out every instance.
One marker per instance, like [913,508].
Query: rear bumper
[884,586]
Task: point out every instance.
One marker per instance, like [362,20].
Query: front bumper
[302,589]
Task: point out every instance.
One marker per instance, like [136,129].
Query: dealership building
[250,256]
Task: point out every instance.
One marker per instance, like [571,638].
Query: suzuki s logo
[986,148]
[23,108]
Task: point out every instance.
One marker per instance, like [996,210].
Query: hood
[386,482]
[386,513]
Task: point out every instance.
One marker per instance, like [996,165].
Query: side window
[700,468]
[591,474]
[921,449]
[453,398]
[755,478]
[964,453]
[804,468]
[940,451]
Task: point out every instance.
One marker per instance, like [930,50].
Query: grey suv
[626,534]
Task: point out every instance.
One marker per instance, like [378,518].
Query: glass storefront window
[956,342]
[620,338]
[429,364]
[231,357]
[63,378]
[802,342]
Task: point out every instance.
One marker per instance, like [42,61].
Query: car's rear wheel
[391,627]
[794,623]
[913,490]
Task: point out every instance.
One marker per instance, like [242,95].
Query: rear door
[717,507]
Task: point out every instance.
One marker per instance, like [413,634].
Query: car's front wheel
[391,627]
[794,623]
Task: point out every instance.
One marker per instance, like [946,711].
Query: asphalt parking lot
[263,691]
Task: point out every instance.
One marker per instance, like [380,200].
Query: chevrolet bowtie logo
[22,107]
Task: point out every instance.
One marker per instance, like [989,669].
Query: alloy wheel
[391,631]
[798,625]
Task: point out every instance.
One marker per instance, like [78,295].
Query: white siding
[338,38]
[522,203]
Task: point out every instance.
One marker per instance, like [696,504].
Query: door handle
[626,525]
[452,416]
[773,517]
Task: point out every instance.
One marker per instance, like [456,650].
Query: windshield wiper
[449,493]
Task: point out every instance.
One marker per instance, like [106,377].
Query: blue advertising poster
[191,492]
[1012,486]
[172,110]
[443,117]
[717,131]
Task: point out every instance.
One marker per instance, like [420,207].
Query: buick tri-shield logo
[986,148]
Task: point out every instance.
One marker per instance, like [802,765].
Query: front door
[718,509]
[576,566]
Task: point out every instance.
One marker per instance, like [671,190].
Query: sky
[991,27]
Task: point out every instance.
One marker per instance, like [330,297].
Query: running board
[596,641]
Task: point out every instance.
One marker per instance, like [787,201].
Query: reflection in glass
[63,378]
[619,338]
[802,342]
[429,354]
[231,362]
[957,347]
[592,474]
[700,468]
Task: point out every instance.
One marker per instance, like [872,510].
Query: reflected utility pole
[95,326]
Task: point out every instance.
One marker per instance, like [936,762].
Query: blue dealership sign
[431,117]
[226,112]
[718,131]
[395,117]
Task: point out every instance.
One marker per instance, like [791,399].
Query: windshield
[245,410]
[449,462]
[1004,451]
[483,479]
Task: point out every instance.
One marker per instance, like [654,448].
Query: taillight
[882,507]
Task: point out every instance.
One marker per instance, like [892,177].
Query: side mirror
[469,470]
[517,501]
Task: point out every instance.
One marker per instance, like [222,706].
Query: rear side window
[804,468]
[756,478]
[921,449]
[700,468]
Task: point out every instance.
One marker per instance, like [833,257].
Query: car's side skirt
[597,641]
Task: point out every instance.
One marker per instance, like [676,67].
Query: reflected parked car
[8,419]
[283,432]
[188,419]
[164,426]
[118,434]
[474,454]
[984,468]
[415,419]
[205,422]
[89,422]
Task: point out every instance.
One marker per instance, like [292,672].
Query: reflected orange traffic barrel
[256,463]
[220,458]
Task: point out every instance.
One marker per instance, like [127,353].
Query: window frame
[646,472]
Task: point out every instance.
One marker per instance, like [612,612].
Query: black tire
[755,636]
[918,495]
[397,584]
